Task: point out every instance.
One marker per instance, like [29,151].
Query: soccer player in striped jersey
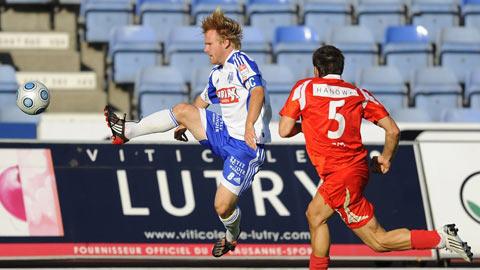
[331,111]
[237,135]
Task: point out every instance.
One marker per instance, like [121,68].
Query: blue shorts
[240,162]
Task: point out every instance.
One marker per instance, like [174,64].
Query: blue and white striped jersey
[229,86]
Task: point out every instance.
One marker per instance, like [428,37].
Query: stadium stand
[471,13]
[386,83]
[184,50]
[472,88]
[461,115]
[162,15]
[435,14]
[435,87]
[459,49]
[377,15]
[280,80]
[159,87]
[232,8]
[101,16]
[406,47]
[131,48]
[418,115]
[358,46]
[293,47]
[54,41]
[255,45]
[268,14]
[323,15]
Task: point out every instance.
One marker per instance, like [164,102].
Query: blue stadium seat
[435,87]
[202,8]
[158,88]
[163,15]
[459,49]
[280,81]
[268,14]
[199,80]
[10,113]
[435,14]
[387,85]
[377,15]
[461,115]
[8,85]
[358,46]
[101,16]
[132,48]
[255,45]
[417,115]
[472,88]
[471,13]
[293,47]
[323,15]
[407,47]
[184,50]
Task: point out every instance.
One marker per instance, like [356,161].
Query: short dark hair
[328,60]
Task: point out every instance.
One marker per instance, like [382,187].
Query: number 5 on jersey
[334,115]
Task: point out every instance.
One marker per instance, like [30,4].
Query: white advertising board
[451,170]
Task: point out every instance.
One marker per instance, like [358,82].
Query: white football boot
[454,243]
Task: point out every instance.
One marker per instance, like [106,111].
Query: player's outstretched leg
[223,246]
[116,124]
[454,243]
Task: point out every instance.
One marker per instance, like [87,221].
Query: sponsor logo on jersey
[243,72]
[325,90]
[469,196]
[227,95]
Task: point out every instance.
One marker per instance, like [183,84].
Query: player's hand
[379,164]
[250,137]
[179,134]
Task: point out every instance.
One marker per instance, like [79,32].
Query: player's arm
[392,137]
[257,97]
[288,127]
[290,113]
[200,103]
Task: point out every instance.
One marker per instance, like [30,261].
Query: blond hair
[226,28]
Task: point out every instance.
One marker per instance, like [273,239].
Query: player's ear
[227,43]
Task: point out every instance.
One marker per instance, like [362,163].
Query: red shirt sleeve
[374,110]
[291,108]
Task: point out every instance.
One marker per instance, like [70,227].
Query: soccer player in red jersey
[331,111]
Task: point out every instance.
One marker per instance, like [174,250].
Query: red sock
[318,263]
[423,239]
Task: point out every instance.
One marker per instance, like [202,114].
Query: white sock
[160,121]
[232,224]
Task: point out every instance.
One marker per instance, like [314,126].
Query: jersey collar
[229,56]
[333,76]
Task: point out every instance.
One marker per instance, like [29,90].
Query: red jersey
[331,111]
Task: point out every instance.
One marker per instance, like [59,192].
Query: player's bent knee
[182,110]
[223,210]
[315,217]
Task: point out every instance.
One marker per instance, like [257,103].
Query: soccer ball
[33,97]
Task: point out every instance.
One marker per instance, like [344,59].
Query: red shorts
[343,191]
